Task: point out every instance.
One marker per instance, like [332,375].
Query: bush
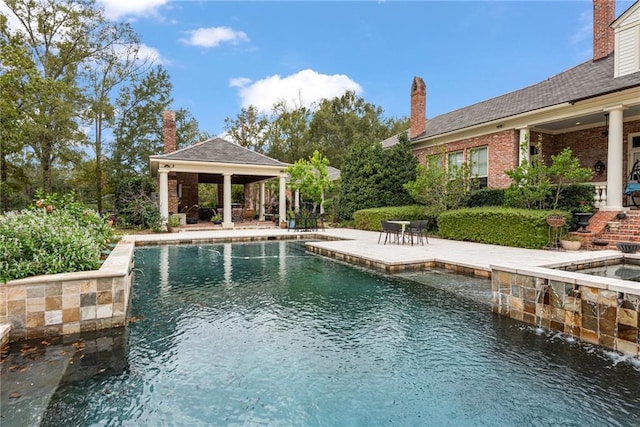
[522,228]
[51,240]
[486,197]
[369,219]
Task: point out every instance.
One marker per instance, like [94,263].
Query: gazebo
[214,161]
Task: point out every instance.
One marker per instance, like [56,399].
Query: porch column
[282,208]
[523,146]
[226,217]
[296,198]
[261,202]
[615,159]
[163,196]
[322,203]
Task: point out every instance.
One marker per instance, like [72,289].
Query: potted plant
[173,224]
[216,219]
[583,214]
[291,219]
[570,243]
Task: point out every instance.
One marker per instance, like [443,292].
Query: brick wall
[502,153]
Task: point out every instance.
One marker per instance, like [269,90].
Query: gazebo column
[524,146]
[282,208]
[226,217]
[296,198]
[615,159]
[261,203]
[163,196]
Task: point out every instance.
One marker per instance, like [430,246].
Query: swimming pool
[266,334]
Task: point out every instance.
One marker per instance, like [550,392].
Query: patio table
[403,224]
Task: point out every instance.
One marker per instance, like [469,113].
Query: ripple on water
[237,334]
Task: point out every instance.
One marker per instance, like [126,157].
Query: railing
[600,195]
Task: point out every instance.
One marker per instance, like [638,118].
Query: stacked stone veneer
[597,310]
[69,303]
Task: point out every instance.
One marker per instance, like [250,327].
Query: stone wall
[69,303]
[596,310]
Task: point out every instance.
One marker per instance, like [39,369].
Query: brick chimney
[418,108]
[169,131]
[604,13]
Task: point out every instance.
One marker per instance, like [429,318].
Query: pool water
[265,334]
[622,271]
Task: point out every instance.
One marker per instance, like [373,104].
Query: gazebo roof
[219,150]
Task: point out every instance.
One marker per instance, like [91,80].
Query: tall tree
[248,129]
[117,61]
[343,120]
[288,134]
[16,71]
[188,130]
[398,167]
[138,128]
[60,35]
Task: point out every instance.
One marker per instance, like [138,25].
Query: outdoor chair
[237,214]
[419,230]
[390,230]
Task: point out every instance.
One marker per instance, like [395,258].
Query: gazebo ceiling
[211,178]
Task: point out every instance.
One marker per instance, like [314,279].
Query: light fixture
[599,167]
[606,125]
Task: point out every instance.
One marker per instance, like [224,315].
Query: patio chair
[390,230]
[419,230]
[237,214]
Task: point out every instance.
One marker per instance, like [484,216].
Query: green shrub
[486,197]
[48,241]
[369,219]
[522,228]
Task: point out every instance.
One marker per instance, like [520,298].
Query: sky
[225,55]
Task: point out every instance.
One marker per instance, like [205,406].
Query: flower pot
[283,224]
[583,221]
[570,245]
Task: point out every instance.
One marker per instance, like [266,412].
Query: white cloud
[151,54]
[585,28]
[306,87]
[214,37]
[116,9]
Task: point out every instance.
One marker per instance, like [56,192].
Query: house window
[454,160]
[479,167]
[434,161]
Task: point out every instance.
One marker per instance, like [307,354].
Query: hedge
[498,226]
[369,219]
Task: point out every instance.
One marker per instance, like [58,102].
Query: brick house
[592,108]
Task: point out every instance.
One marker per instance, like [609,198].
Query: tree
[187,129]
[440,188]
[116,61]
[359,175]
[341,121]
[398,167]
[248,129]
[60,36]
[288,134]
[16,71]
[311,177]
[138,128]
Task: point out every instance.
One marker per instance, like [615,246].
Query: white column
[296,198]
[163,196]
[322,203]
[523,146]
[226,196]
[615,159]
[282,208]
[261,202]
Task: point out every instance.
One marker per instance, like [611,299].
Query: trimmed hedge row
[369,219]
[498,226]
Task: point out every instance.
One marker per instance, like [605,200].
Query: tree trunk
[99,162]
